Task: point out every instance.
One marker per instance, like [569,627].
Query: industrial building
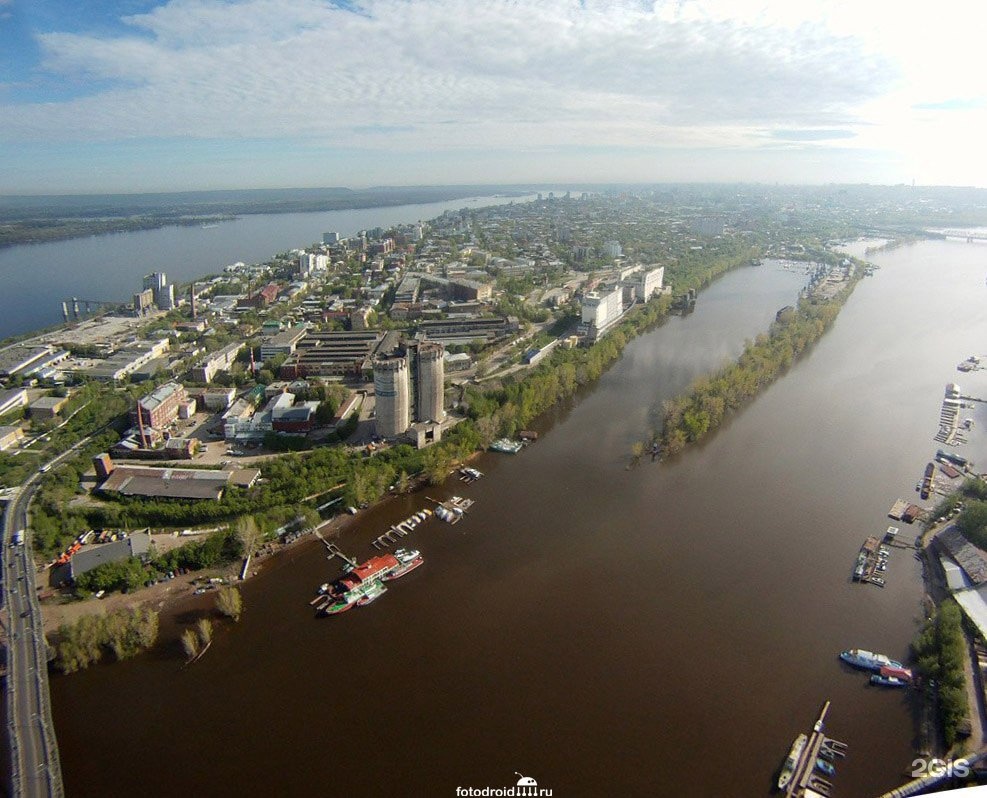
[17,358]
[392,388]
[12,399]
[463,331]
[335,354]
[163,405]
[47,407]
[600,312]
[126,361]
[136,544]
[427,375]
[283,343]
[170,483]
[409,388]
[10,436]
[217,362]
[648,282]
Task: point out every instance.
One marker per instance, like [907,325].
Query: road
[35,769]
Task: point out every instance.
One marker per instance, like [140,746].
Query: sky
[138,95]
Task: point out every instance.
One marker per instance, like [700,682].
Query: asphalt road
[35,768]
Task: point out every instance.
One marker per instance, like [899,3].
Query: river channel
[664,630]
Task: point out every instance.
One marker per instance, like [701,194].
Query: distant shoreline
[39,220]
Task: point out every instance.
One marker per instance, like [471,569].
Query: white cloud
[431,76]
[268,68]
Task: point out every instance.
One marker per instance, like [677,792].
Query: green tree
[229,601]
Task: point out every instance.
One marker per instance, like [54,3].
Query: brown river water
[664,630]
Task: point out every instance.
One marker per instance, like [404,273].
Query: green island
[690,417]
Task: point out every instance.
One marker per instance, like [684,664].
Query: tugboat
[788,769]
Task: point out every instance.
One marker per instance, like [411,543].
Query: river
[663,630]
[36,278]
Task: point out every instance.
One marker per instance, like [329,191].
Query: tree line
[124,633]
[689,417]
[940,650]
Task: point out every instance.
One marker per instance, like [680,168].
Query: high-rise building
[600,311]
[391,385]
[428,376]
[330,238]
[164,297]
[155,281]
[649,282]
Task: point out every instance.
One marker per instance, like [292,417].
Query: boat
[403,569]
[861,658]
[506,445]
[788,769]
[407,555]
[927,480]
[825,767]
[338,606]
[373,592]
[887,681]
[898,673]
[858,571]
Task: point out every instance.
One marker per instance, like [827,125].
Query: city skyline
[137,95]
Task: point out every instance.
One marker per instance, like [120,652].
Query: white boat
[788,769]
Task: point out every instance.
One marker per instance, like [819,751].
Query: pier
[806,781]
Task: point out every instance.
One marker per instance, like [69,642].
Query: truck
[19,537]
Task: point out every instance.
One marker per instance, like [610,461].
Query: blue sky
[139,95]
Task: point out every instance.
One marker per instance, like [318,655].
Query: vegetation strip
[691,416]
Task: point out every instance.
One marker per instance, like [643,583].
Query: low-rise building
[10,436]
[12,399]
[47,406]
[283,343]
[162,406]
[217,362]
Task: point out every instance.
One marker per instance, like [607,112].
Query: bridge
[965,234]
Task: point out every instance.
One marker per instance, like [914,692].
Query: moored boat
[825,767]
[897,673]
[338,606]
[372,593]
[788,769]
[861,658]
[887,681]
[506,445]
[404,568]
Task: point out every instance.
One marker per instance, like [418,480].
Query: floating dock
[807,781]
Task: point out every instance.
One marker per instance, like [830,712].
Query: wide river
[37,278]
[664,630]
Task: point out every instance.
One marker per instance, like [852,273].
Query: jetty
[807,781]
[402,529]
[452,510]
